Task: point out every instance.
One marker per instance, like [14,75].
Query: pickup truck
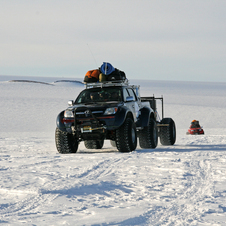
[112,111]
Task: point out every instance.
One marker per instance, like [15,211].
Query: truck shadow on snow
[174,148]
[95,151]
[191,148]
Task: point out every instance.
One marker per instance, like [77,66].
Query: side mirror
[129,99]
[70,103]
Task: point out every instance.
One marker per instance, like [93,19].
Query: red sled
[195,128]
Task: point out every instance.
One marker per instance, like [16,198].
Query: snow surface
[184,184]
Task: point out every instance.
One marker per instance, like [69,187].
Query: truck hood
[97,105]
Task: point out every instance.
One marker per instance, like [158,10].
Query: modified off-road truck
[112,111]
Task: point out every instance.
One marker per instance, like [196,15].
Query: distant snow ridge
[30,81]
[46,83]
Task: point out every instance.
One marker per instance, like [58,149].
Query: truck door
[132,105]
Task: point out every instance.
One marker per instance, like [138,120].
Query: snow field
[182,184]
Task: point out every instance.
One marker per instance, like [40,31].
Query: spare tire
[167,131]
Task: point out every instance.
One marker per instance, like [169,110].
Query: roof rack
[107,83]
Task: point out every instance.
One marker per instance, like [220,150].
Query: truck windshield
[99,95]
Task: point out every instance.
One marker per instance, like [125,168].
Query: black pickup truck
[112,111]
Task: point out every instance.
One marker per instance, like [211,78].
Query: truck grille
[85,114]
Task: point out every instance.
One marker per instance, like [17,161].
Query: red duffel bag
[92,76]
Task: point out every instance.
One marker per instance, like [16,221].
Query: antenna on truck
[92,55]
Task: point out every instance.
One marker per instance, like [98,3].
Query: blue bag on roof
[112,74]
[107,68]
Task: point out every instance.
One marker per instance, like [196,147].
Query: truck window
[125,94]
[132,94]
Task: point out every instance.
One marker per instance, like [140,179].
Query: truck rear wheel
[167,134]
[148,137]
[94,144]
[65,142]
[126,136]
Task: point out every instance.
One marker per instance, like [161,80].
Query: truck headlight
[68,114]
[110,111]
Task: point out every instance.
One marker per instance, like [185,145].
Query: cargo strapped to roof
[107,84]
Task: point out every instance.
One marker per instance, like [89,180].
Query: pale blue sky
[182,40]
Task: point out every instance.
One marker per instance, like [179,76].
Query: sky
[182,40]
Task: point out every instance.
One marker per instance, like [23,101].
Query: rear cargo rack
[152,101]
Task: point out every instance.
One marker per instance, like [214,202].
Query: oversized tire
[94,144]
[65,142]
[167,134]
[126,136]
[148,137]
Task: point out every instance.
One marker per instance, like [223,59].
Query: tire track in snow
[158,186]
[183,204]
[91,186]
[189,204]
[102,168]
[25,206]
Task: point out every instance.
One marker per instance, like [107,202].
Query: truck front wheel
[126,136]
[65,142]
[148,137]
